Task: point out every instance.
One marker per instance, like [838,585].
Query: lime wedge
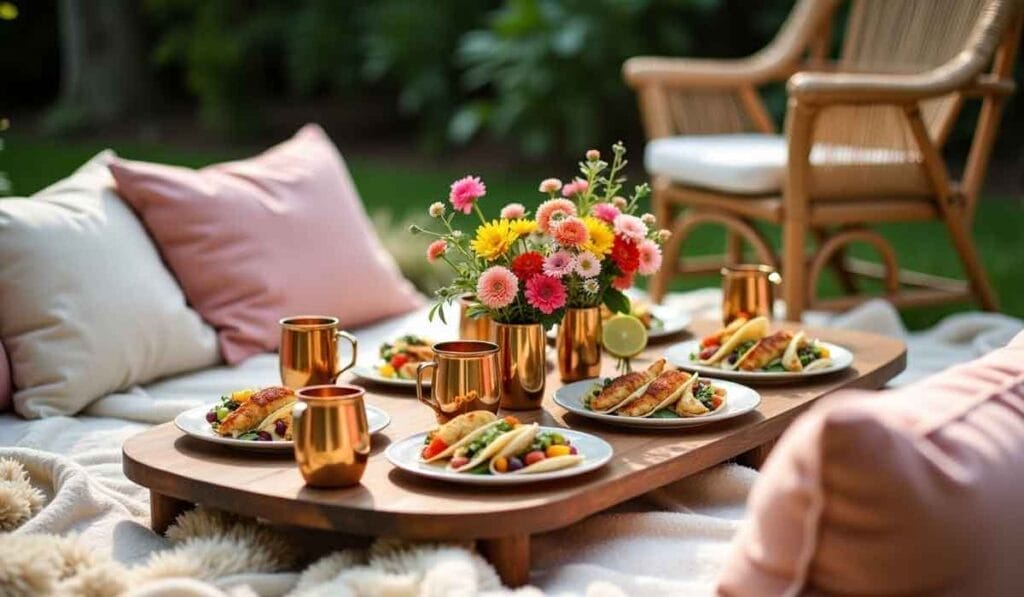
[624,336]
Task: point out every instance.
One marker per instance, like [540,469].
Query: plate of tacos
[479,448]
[254,419]
[750,350]
[397,361]
[657,397]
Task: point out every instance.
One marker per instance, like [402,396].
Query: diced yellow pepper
[242,395]
[386,370]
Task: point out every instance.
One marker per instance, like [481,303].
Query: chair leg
[838,264]
[658,285]
[733,247]
[794,268]
[976,276]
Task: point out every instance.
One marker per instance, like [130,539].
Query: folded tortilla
[664,391]
[755,329]
[461,430]
[790,358]
[269,424]
[492,449]
[520,445]
[689,406]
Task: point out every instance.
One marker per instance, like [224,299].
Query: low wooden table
[181,471]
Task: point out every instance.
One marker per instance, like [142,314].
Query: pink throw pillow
[911,491]
[252,241]
[6,390]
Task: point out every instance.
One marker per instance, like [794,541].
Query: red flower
[528,265]
[625,254]
[623,282]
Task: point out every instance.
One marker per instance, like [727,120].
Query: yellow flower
[522,227]
[493,239]
[601,237]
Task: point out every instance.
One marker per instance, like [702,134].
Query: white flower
[591,286]
[587,265]
[436,209]
[456,234]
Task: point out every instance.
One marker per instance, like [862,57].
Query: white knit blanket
[670,542]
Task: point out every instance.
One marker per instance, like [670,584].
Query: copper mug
[464,378]
[309,350]
[477,327]
[332,436]
[748,291]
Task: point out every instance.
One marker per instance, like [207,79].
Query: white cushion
[86,305]
[746,164]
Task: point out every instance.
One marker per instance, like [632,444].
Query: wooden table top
[395,503]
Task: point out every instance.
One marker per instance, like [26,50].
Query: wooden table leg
[510,556]
[755,458]
[163,509]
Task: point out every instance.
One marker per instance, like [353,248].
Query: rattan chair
[862,142]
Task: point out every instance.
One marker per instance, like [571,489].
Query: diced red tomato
[435,447]
[716,401]
[711,340]
[511,420]
[708,352]
[398,360]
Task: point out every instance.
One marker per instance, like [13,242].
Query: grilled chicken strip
[623,386]
[252,412]
[660,390]
[765,351]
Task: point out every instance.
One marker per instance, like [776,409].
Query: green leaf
[616,301]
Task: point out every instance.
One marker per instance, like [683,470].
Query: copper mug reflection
[332,436]
[464,378]
[309,350]
[748,291]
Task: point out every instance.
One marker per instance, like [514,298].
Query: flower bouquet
[582,248]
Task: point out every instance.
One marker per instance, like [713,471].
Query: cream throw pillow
[86,305]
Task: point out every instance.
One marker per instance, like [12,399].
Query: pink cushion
[916,490]
[283,233]
[6,390]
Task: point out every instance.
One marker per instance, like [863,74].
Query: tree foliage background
[542,76]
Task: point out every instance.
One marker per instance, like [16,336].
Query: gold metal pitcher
[480,327]
[748,291]
[578,344]
[464,378]
[332,436]
[309,350]
[523,365]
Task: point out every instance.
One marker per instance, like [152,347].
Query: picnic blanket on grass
[80,527]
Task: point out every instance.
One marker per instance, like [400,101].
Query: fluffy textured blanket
[80,526]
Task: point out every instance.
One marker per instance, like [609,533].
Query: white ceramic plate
[739,400]
[193,422]
[369,372]
[673,321]
[679,355]
[405,454]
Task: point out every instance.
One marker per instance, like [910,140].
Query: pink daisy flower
[513,211]
[553,209]
[465,191]
[497,287]
[570,232]
[606,212]
[588,265]
[578,185]
[550,185]
[630,227]
[546,294]
[650,257]
[559,263]
[436,250]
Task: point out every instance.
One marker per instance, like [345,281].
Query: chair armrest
[710,74]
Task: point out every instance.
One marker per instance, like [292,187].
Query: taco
[533,451]
[441,442]
[278,423]
[804,355]
[732,350]
[254,410]
[664,391]
[700,398]
[768,349]
[619,391]
[479,448]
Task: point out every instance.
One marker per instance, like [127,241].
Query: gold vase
[480,327]
[578,344]
[522,366]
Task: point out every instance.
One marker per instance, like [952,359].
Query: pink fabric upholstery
[6,390]
[917,490]
[283,233]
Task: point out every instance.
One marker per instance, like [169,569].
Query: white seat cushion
[747,164]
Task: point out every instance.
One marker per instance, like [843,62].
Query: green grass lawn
[32,164]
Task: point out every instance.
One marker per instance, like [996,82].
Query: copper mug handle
[419,385]
[341,334]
